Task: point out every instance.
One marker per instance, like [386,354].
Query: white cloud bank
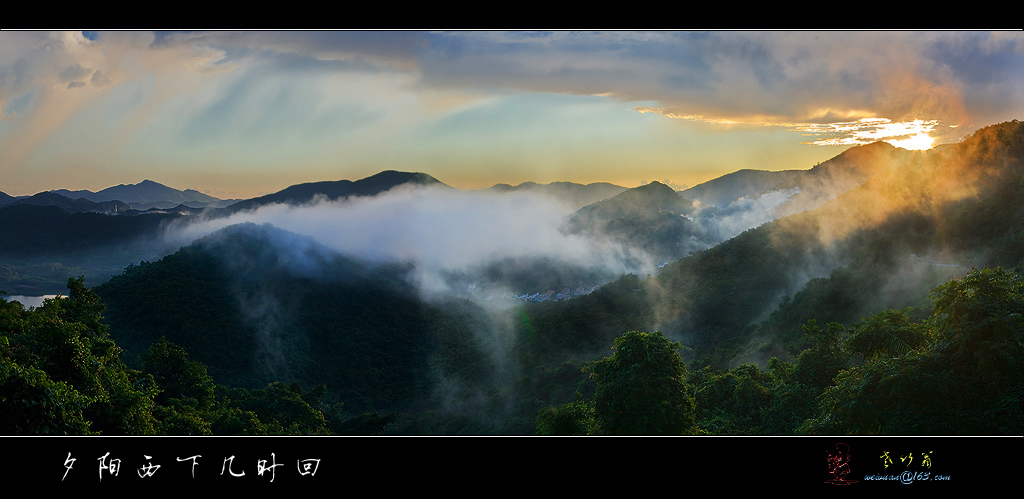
[437,229]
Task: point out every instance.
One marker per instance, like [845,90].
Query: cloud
[744,213]
[189,98]
[439,230]
[56,76]
[780,76]
[384,50]
[746,77]
[914,134]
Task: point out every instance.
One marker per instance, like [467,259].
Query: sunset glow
[244,113]
[914,135]
[919,142]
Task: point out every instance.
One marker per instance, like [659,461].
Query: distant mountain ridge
[732,203]
[728,188]
[338,189]
[149,195]
[68,204]
[810,188]
[144,195]
[577,195]
[650,198]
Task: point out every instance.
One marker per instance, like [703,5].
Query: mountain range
[652,221]
[835,201]
[337,189]
[146,194]
[810,188]
[130,198]
[785,273]
[576,195]
[826,179]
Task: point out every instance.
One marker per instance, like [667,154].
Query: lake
[28,301]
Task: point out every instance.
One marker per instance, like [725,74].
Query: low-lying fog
[440,231]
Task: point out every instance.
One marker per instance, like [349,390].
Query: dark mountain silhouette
[80,205]
[180,209]
[76,194]
[144,195]
[336,189]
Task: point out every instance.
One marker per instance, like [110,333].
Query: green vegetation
[964,376]
[640,390]
[62,374]
[959,371]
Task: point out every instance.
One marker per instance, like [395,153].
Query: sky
[244,113]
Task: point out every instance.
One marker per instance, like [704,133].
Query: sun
[918,142]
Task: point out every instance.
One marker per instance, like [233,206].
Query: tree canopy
[641,388]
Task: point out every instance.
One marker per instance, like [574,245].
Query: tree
[888,333]
[816,366]
[185,403]
[61,372]
[34,404]
[641,388]
[573,418]
[178,376]
[980,318]
[732,402]
[966,380]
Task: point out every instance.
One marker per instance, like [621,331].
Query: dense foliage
[958,371]
[62,374]
[640,390]
[964,376]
